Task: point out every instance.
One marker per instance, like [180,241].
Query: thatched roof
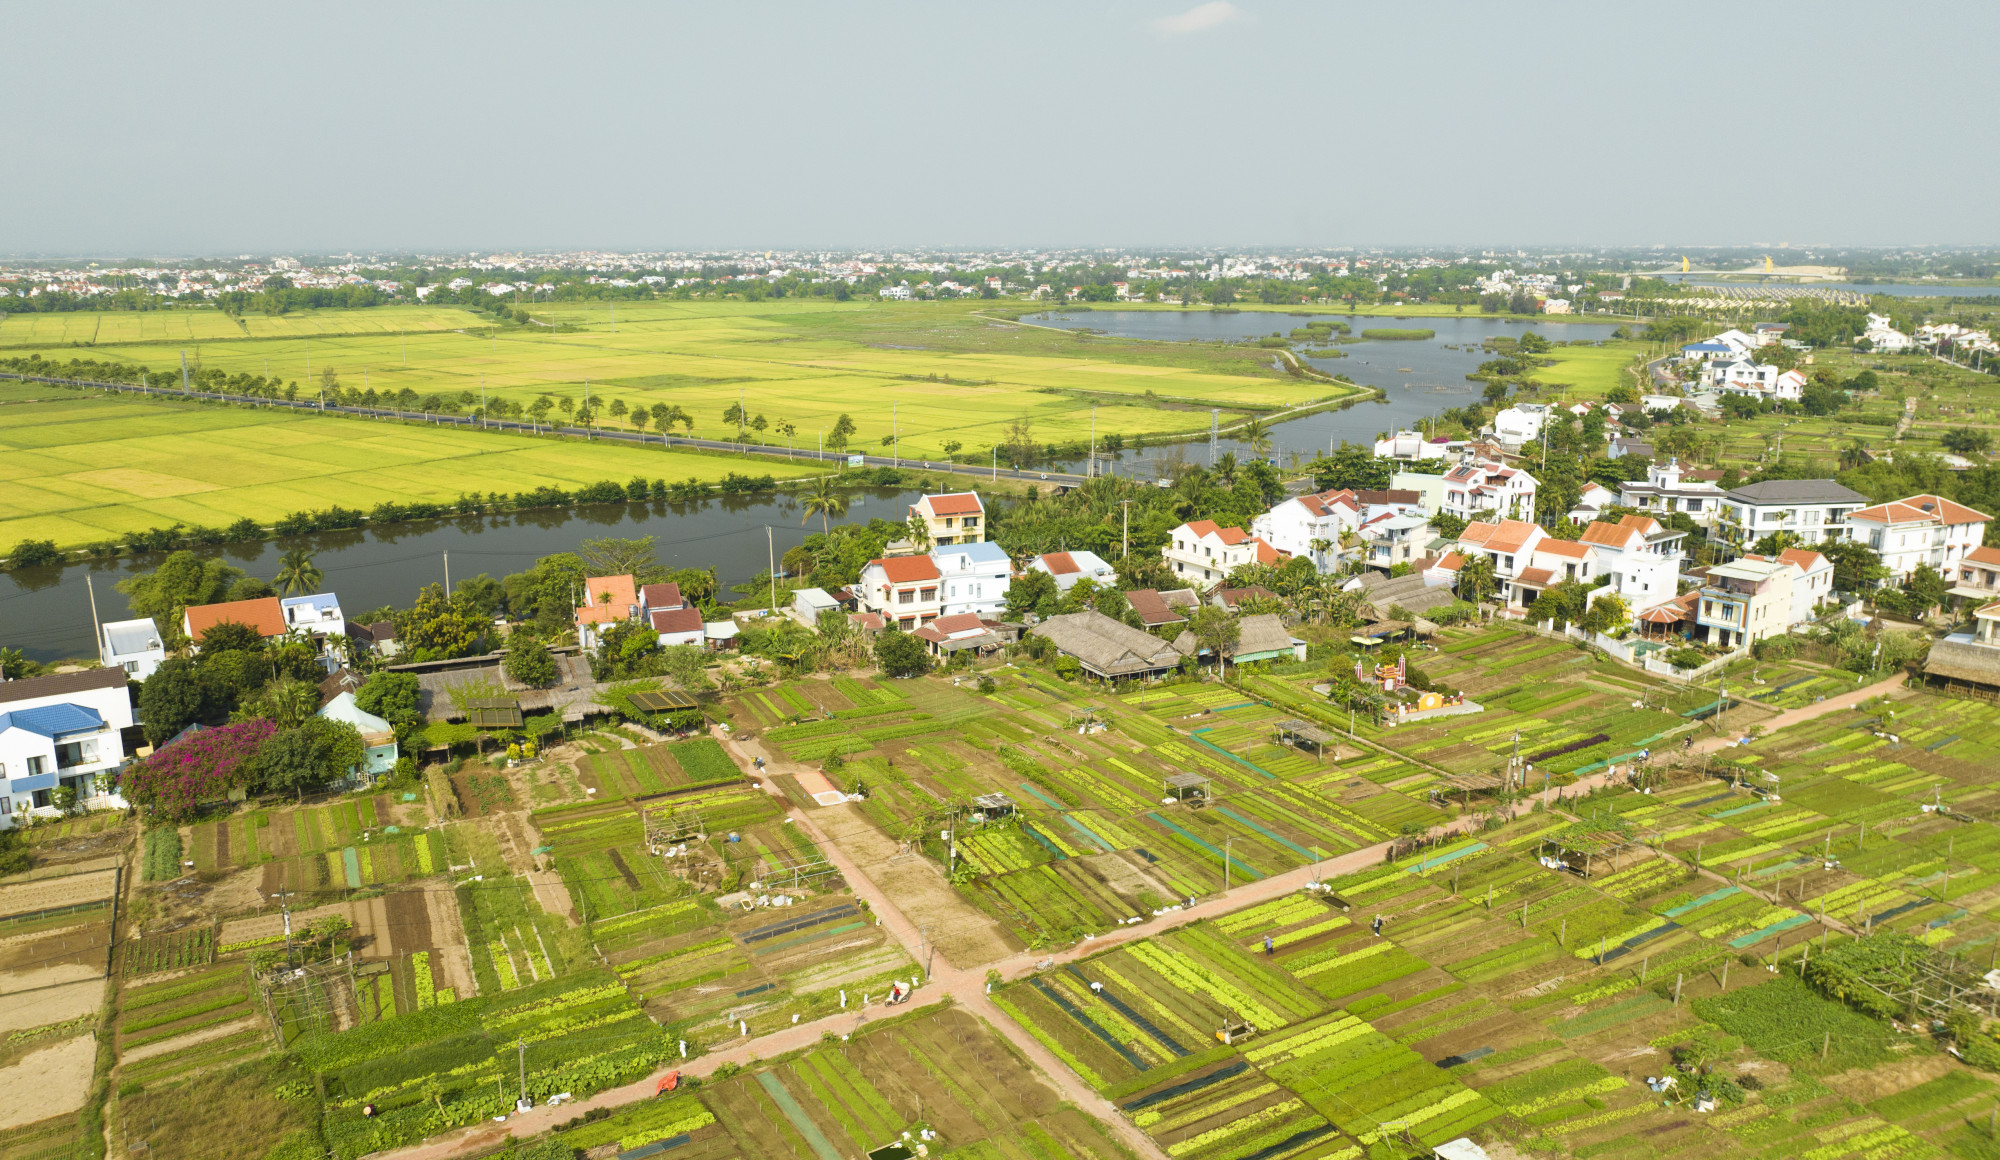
[1973,663]
[1408,591]
[1107,647]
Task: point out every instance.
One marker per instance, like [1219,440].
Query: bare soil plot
[48,1082]
[963,935]
[58,1004]
[18,898]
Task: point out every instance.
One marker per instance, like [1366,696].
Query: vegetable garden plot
[176,1007]
[1367,1084]
[582,1032]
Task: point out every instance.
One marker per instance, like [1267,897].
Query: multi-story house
[1814,510]
[975,578]
[1520,424]
[1759,380]
[954,518]
[1812,587]
[1642,558]
[132,645]
[1977,576]
[1746,601]
[904,590]
[1510,544]
[1409,445]
[317,614]
[62,731]
[1552,562]
[1071,568]
[1666,489]
[1199,550]
[1923,529]
[1391,539]
[1476,487]
[1310,525]
[607,601]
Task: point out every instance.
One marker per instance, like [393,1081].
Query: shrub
[34,554]
[174,782]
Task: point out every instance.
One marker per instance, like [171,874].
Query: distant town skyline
[222,129]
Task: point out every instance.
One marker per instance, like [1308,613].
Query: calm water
[45,612]
[1419,378]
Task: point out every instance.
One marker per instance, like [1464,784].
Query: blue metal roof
[984,552]
[1707,346]
[324,601]
[53,720]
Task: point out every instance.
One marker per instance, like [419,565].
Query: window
[35,766]
[906,596]
[68,754]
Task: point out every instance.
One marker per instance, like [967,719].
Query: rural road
[1806,713]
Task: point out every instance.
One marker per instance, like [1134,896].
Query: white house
[678,626]
[975,577]
[1642,558]
[1812,586]
[317,614]
[905,590]
[1409,445]
[1199,550]
[64,730]
[1481,485]
[1300,522]
[1391,539]
[1520,424]
[1923,529]
[1881,335]
[132,645]
[1595,498]
[377,737]
[1551,562]
[1429,489]
[1664,490]
[1811,509]
[1657,404]
[954,518]
[1746,601]
[1070,567]
[1759,380]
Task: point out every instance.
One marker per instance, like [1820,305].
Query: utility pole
[895,436]
[1225,864]
[96,626]
[773,552]
[184,368]
[521,1046]
[447,572]
[996,463]
[1090,468]
[1125,534]
[1214,433]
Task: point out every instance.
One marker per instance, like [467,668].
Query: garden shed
[1303,733]
[993,805]
[1593,850]
[492,712]
[1192,788]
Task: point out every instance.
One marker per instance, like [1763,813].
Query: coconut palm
[824,501]
[1476,578]
[297,573]
[1257,433]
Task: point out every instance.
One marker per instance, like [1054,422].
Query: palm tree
[823,501]
[297,573]
[1476,578]
[1853,454]
[1257,433]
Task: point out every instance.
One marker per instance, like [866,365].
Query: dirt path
[1806,713]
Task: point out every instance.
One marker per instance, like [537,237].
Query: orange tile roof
[1568,548]
[267,616]
[1984,555]
[1451,562]
[1266,554]
[1610,535]
[1644,525]
[1059,563]
[907,569]
[598,610]
[1805,558]
[955,503]
[1202,528]
[1536,577]
[1919,508]
[1478,532]
[676,620]
[1511,536]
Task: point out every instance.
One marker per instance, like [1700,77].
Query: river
[45,612]
[1418,377]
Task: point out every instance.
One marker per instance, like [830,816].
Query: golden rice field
[84,469]
[936,373]
[129,326]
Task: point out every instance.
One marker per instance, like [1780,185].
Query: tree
[684,663]
[317,752]
[1361,698]
[171,699]
[1926,589]
[480,596]
[297,573]
[176,780]
[1216,631]
[394,697]
[823,501]
[437,631]
[529,662]
[1855,566]
[181,581]
[1033,591]
[34,554]
[286,701]
[1351,467]
[639,419]
[919,532]
[1476,578]
[901,655]
[1967,441]
[229,636]
[843,427]
[633,556]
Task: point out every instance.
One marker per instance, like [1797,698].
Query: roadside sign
[854,461]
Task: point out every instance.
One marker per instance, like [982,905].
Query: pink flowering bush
[201,767]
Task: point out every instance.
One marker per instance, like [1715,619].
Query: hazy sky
[178,128]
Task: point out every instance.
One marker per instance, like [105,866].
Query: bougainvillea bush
[201,767]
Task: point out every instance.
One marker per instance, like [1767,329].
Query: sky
[153,130]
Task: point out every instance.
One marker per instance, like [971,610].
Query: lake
[45,612]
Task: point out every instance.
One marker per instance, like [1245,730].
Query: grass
[85,468]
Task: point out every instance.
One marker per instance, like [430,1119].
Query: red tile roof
[1450,562]
[955,503]
[1611,535]
[1151,608]
[907,569]
[1805,558]
[1059,563]
[596,609]
[1984,555]
[1266,554]
[676,620]
[1568,548]
[1510,536]
[1202,527]
[267,616]
[1536,577]
[661,596]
